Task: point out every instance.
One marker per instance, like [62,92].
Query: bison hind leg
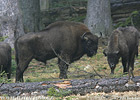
[22,66]
[130,81]
[8,70]
[131,72]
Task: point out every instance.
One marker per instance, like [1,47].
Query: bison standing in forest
[123,43]
[5,58]
[68,41]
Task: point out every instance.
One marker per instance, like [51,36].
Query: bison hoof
[124,73]
[63,77]
[112,73]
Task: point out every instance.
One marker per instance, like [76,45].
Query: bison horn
[84,37]
[116,52]
[105,52]
[101,34]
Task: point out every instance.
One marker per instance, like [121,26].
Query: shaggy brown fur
[68,41]
[123,43]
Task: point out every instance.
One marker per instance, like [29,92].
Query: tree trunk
[10,21]
[98,17]
[82,86]
[30,14]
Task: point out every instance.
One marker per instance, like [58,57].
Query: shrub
[58,92]
[3,78]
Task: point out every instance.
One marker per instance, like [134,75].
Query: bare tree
[30,14]
[10,20]
[18,17]
[98,17]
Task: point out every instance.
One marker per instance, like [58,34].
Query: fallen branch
[59,56]
[97,73]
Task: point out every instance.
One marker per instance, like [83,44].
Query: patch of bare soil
[131,95]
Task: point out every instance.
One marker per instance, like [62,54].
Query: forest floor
[85,68]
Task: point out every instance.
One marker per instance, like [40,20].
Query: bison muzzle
[68,41]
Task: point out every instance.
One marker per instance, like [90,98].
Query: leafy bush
[125,23]
[133,19]
[58,92]
[3,78]
[3,38]
[78,19]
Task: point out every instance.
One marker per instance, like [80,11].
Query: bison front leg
[63,67]
[124,63]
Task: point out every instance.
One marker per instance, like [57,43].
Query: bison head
[112,58]
[90,43]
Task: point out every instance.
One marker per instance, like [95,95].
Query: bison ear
[105,52]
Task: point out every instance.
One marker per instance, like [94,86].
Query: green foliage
[28,80]
[133,19]
[3,38]
[3,78]
[99,56]
[71,98]
[58,92]
[125,23]
[78,19]
[138,66]
[135,12]
[13,67]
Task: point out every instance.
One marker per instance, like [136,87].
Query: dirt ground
[131,95]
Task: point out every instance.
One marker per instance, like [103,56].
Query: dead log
[82,86]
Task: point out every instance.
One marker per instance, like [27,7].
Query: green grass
[3,78]
[58,92]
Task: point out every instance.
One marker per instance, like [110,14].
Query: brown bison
[123,43]
[68,41]
[5,58]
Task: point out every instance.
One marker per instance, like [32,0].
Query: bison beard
[68,41]
[123,43]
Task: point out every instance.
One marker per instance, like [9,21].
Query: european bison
[5,58]
[123,43]
[68,41]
